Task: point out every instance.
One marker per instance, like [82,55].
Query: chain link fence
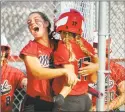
[13,24]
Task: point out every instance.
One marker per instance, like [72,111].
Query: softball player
[73,52]
[114,83]
[11,78]
[37,55]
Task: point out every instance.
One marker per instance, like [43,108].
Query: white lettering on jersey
[108,82]
[109,96]
[44,60]
[5,87]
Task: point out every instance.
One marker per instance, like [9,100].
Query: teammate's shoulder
[13,69]
[61,46]
[61,52]
[84,40]
[29,49]
[30,44]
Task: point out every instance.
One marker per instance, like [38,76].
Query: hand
[72,78]
[89,69]
[93,109]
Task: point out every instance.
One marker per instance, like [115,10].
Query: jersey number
[74,23]
[80,62]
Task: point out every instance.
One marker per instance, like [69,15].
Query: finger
[80,72]
[70,81]
[86,62]
[69,84]
[72,86]
[84,68]
[75,82]
[83,72]
[81,68]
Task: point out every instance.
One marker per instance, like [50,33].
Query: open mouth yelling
[36,29]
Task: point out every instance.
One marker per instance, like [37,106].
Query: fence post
[102,53]
[96,15]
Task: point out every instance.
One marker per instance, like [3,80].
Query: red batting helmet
[70,21]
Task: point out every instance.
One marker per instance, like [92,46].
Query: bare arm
[67,89]
[33,65]
[69,67]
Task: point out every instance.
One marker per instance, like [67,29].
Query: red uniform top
[10,80]
[61,56]
[37,87]
[115,77]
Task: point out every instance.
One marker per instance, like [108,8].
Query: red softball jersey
[38,87]
[61,56]
[10,81]
[112,80]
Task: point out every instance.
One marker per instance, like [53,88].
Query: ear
[46,23]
